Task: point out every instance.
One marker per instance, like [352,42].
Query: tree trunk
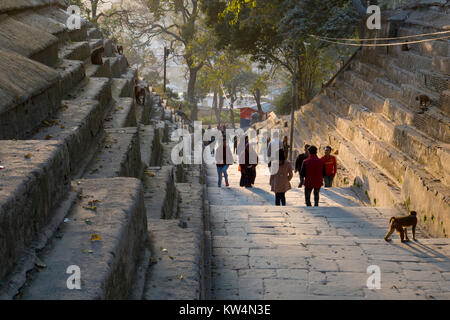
[232,113]
[94,5]
[216,110]
[221,101]
[191,92]
[299,84]
[257,95]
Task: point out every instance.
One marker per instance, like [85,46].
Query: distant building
[250,113]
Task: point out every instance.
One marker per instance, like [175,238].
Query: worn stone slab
[78,127]
[28,41]
[120,222]
[119,155]
[318,253]
[20,80]
[34,179]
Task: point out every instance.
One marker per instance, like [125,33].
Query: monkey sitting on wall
[405,46]
[120,49]
[97,56]
[401,224]
[424,101]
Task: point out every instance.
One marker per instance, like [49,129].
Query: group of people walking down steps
[314,172]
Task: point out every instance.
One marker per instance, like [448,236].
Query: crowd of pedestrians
[314,172]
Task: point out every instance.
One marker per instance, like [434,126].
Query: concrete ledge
[109,48]
[429,198]
[13,5]
[94,89]
[94,33]
[28,41]
[29,189]
[122,87]
[79,128]
[119,155]
[99,71]
[72,74]
[29,93]
[178,271]
[122,115]
[160,193]
[76,51]
[107,271]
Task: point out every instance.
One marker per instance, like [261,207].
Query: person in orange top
[330,167]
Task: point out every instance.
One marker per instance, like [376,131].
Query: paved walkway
[260,251]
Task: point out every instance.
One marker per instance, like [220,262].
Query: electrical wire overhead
[378,44]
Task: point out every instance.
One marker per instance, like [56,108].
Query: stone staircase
[392,153]
[263,252]
[79,157]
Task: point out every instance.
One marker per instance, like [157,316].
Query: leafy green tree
[178,24]
[268,30]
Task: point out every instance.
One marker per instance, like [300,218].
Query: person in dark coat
[299,161]
[312,172]
[248,168]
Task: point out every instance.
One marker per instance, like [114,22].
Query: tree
[268,30]
[178,24]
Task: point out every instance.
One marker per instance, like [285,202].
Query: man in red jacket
[312,173]
[330,167]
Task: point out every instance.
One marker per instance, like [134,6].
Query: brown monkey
[120,49]
[97,55]
[405,46]
[139,93]
[401,224]
[425,101]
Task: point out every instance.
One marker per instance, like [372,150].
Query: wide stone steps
[176,269]
[28,41]
[373,178]
[7,6]
[78,126]
[76,51]
[122,87]
[118,155]
[72,73]
[98,89]
[123,114]
[31,94]
[401,135]
[52,20]
[269,252]
[103,235]
[94,70]
[67,139]
[35,178]
[428,49]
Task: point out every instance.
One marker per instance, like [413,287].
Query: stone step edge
[119,220]
[192,229]
[18,278]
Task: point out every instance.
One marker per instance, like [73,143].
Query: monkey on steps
[139,93]
[401,224]
[424,101]
[97,56]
